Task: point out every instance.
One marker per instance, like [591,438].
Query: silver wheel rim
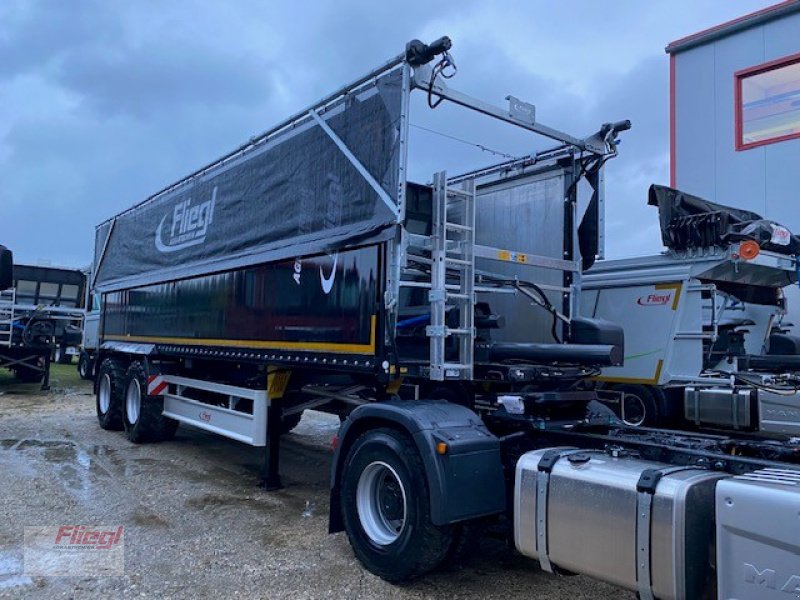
[639,414]
[133,401]
[82,367]
[381,503]
[104,394]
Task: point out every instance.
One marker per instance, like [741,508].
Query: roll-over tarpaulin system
[327,180]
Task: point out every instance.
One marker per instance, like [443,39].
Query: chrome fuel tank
[641,525]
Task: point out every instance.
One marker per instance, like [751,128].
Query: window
[768,103]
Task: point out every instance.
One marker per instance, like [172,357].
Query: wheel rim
[634,411]
[381,503]
[82,367]
[104,394]
[133,401]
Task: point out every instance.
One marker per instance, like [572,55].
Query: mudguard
[464,483]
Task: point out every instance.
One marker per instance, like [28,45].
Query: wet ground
[196,523]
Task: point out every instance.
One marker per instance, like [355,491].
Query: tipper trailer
[703,346]
[442,322]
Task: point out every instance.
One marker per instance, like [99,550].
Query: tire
[289,422]
[640,406]
[108,394]
[142,416]
[386,508]
[84,366]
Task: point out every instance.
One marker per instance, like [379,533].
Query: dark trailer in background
[60,293]
[41,316]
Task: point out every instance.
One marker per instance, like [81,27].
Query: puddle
[77,468]
[11,571]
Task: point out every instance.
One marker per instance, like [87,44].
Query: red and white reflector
[156,385]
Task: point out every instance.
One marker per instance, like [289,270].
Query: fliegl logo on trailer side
[189,224]
[654,299]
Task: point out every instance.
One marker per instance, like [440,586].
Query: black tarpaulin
[688,221]
[294,195]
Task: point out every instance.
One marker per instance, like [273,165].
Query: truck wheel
[386,509]
[143,420]
[289,422]
[84,366]
[638,407]
[108,396]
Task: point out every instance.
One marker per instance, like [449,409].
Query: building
[735,116]
[735,113]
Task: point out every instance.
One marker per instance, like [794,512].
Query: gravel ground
[196,523]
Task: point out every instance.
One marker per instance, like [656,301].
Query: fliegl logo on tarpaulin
[188,225]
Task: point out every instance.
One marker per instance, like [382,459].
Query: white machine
[694,348]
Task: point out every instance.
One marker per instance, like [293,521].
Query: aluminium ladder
[453,251]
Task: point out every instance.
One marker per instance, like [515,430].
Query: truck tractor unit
[442,322]
[703,345]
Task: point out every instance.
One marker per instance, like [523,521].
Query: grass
[61,376]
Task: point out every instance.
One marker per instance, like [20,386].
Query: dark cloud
[106,101]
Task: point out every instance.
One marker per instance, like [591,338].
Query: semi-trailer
[703,342]
[442,322]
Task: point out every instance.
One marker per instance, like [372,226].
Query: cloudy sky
[104,102]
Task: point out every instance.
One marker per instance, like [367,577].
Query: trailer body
[441,321]
[703,343]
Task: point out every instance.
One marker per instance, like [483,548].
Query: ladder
[7,301]
[453,251]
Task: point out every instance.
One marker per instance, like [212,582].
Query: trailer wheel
[638,407]
[143,420]
[108,395]
[84,366]
[386,509]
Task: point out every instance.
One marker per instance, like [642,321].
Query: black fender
[465,482]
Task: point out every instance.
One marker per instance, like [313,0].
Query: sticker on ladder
[156,385]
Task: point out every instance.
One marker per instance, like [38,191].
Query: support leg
[46,378]
[272,478]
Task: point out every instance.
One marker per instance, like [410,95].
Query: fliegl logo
[189,224]
[654,299]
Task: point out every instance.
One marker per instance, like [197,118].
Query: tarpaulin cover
[691,222]
[294,195]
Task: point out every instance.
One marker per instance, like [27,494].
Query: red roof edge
[680,44]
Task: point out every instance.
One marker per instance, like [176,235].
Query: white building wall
[763,179]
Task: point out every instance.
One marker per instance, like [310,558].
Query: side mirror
[6,268]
